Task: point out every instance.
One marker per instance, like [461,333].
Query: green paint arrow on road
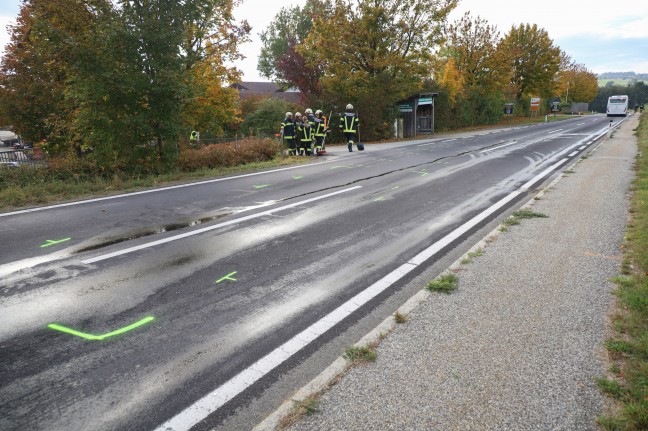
[227,277]
[71,331]
[52,242]
[262,186]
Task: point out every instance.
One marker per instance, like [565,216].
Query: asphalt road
[190,305]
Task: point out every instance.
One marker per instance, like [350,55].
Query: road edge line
[341,365]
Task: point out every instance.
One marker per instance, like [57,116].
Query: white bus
[617,106]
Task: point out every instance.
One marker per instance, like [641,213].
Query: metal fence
[28,156]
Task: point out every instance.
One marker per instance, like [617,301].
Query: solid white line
[542,174]
[221,395]
[208,228]
[498,147]
[179,186]
[572,154]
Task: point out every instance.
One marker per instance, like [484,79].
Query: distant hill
[624,75]
[622,79]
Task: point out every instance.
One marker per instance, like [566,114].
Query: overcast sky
[602,35]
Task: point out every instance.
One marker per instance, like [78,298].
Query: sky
[601,35]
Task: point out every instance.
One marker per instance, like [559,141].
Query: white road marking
[498,147]
[572,154]
[236,385]
[438,141]
[216,226]
[179,186]
[224,393]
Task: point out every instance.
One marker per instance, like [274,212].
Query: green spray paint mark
[71,331]
[423,173]
[262,186]
[382,198]
[394,188]
[227,277]
[296,178]
[52,242]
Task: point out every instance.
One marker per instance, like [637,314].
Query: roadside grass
[447,283]
[399,318]
[471,255]
[628,382]
[306,407]
[527,214]
[514,219]
[47,189]
[360,355]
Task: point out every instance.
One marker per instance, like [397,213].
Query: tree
[288,29]
[36,68]
[577,83]
[375,53]
[211,41]
[280,59]
[533,60]
[156,69]
[264,120]
[472,43]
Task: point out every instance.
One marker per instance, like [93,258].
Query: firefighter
[289,133]
[194,138]
[310,116]
[304,134]
[349,125]
[319,131]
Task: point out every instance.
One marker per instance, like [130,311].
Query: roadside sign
[406,107]
[535,103]
[508,108]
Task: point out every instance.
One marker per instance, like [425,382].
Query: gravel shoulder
[519,344]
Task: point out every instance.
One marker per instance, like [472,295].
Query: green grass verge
[447,283]
[63,190]
[360,355]
[629,382]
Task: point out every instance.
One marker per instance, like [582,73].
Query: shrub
[248,150]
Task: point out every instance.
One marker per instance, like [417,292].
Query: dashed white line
[221,395]
[573,154]
[217,398]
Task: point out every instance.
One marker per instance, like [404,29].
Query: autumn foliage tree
[124,78]
[575,83]
[533,61]
[280,59]
[374,53]
[471,73]
[36,68]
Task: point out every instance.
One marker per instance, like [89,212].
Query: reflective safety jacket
[311,120]
[304,132]
[288,129]
[320,126]
[349,122]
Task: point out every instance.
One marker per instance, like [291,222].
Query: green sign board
[425,101]
[406,107]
